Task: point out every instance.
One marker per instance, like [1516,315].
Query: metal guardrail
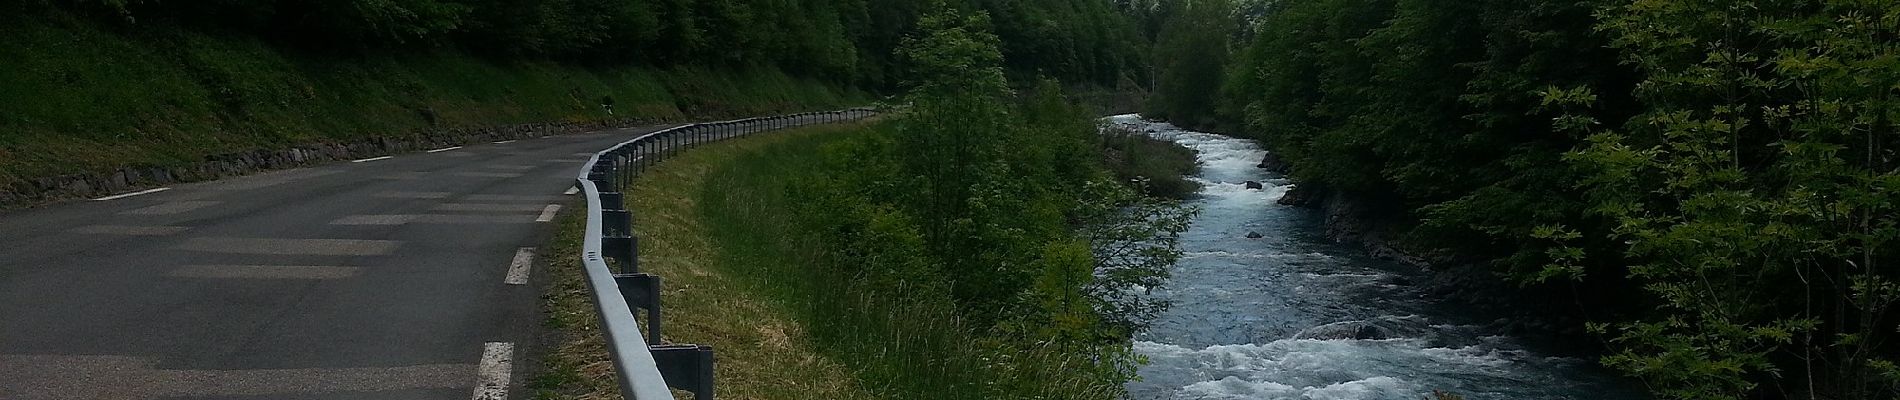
[645,368]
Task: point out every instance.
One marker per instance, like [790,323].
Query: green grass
[763,350]
[898,347]
[745,275]
[80,97]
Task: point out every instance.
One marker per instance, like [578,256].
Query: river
[1291,315]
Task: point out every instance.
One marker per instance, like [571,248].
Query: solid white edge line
[373,159]
[121,196]
[547,214]
[505,142]
[491,376]
[519,267]
[443,149]
[571,191]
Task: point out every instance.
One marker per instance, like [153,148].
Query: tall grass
[901,341]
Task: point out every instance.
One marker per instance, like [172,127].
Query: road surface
[409,277]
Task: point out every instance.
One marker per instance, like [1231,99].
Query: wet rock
[1373,329]
[1273,163]
[1254,185]
[1254,235]
[1302,196]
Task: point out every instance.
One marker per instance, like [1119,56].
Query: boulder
[1302,196]
[1253,185]
[1254,235]
[1385,327]
[1273,163]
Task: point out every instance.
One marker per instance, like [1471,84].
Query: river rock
[1254,235]
[1387,327]
[1273,163]
[1353,330]
[1253,185]
[1302,196]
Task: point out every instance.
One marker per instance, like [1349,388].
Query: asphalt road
[382,279]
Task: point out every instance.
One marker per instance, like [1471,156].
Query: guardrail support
[687,367]
[643,291]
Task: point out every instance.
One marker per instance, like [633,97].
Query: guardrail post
[643,291]
[646,154]
[686,367]
[601,175]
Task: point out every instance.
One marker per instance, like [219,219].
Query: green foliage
[847,41]
[1190,53]
[83,99]
[1716,180]
[1762,158]
[972,248]
[1160,167]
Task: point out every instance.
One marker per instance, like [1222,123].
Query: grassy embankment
[745,274]
[763,350]
[79,96]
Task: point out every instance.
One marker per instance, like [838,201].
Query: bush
[1158,167]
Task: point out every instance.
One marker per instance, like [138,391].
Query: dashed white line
[505,142]
[547,214]
[443,149]
[571,191]
[373,159]
[491,377]
[121,196]
[519,267]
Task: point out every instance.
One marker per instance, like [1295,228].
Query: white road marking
[571,191]
[269,179]
[121,377]
[412,195]
[121,196]
[401,219]
[443,149]
[505,142]
[486,207]
[264,272]
[405,175]
[518,268]
[512,197]
[477,174]
[128,230]
[315,247]
[171,207]
[547,214]
[396,219]
[491,376]
[373,159]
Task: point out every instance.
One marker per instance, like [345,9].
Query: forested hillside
[1712,183]
[98,85]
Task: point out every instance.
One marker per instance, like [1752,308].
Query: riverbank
[1549,318]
